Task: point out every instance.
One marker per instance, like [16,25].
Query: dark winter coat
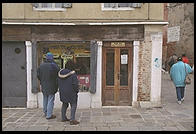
[68,86]
[47,73]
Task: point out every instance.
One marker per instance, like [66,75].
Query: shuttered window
[51,6]
[120,6]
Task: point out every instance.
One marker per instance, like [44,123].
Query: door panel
[117,72]
[14,91]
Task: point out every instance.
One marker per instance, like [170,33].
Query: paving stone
[56,128]
[113,124]
[136,116]
[22,128]
[188,125]
[170,129]
[88,124]
[124,128]
[144,128]
[88,129]
[12,119]
[103,128]
[8,128]
[87,113]
[37,128]
[96,114]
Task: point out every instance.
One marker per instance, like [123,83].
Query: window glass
[123,4]
[79,53]
[110,67]
[124,67]
[110,5]
[46,5]
[58,5]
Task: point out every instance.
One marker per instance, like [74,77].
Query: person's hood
[64,73]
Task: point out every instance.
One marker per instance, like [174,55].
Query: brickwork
[144,75]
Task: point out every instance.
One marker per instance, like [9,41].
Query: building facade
[181,16]
[117,47]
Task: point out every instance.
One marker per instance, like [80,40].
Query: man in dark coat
[68,90]
[47,73]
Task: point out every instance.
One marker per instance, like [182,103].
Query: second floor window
[120,6]
[51,6]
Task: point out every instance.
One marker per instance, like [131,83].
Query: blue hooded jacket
[178,73]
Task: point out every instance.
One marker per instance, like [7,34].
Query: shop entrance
[79,52]
[117,74]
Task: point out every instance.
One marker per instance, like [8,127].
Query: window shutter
[35,5]
[113,5]
[66,5]
[34,69]
[93,66]
[109,5]
[135,4]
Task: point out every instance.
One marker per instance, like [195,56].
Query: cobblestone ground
[170,117]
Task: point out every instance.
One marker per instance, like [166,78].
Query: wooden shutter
[34,69]
[93,66]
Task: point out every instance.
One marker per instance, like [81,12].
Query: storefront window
[79,53]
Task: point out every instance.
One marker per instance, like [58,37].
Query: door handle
[22,67]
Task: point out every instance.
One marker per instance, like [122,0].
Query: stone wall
[182,14]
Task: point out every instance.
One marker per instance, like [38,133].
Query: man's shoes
[52,117]
[182,99]
[179,102]
[65,120]
[74,122]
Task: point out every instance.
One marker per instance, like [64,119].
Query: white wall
[31,98]
[135,72]
[156,65]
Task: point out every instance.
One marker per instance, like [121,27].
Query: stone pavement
[170,117]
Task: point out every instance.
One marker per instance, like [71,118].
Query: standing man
[47,74]
[68,90]
[178,74]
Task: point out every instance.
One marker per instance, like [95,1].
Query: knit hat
[179,59]
[49,56]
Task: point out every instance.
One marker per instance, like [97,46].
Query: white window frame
[39,8]
[113,9]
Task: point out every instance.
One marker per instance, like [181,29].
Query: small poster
[124,59]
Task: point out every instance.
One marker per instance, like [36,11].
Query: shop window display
[79,53]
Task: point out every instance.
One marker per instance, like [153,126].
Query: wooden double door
[117,75]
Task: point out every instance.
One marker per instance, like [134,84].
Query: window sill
[117,9]
[47,9]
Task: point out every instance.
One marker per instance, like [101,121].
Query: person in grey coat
[47,74]
[68,90]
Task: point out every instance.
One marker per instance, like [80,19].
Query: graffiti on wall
[157,62]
